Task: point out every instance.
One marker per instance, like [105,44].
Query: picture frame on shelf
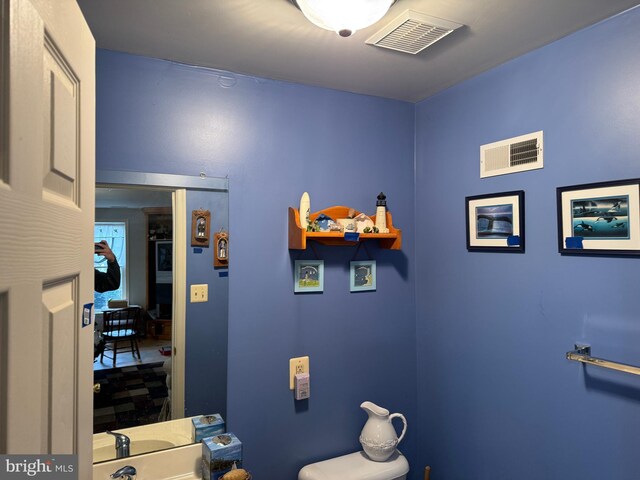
[495,222]
[599,218]
[362,275]
[308,276]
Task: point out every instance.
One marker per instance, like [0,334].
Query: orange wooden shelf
[298,236]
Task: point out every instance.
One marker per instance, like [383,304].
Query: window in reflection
[115,234]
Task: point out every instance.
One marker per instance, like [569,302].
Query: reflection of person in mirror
[109,280]
[223,249]
[104,282]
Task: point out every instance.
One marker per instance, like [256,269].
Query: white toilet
[357,466]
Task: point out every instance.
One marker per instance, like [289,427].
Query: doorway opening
[134,322]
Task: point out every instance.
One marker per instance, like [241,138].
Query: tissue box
[219,454]
[206,426]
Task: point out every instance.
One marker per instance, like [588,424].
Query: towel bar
[582,353]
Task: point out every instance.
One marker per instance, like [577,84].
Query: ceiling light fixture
[344,16]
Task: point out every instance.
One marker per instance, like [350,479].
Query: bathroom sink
[145,439]
[180,463]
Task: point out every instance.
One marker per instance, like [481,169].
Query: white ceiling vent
[412,32]
[516,154]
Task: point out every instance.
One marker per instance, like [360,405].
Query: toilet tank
[357,466]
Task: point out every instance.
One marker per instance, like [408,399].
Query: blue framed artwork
[495,222]
[599,218]
[362,276]
[308,276]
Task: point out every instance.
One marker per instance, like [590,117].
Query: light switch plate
[297,365]
[199,293]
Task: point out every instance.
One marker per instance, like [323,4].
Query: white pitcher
[378,437]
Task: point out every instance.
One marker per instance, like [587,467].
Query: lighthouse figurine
[381,214]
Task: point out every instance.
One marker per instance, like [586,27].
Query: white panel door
[47,178]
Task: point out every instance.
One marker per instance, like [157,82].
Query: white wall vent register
[412,32]
[513,155]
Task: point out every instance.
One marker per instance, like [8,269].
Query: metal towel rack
[582,353]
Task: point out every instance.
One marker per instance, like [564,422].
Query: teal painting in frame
[362,276]
[308,276]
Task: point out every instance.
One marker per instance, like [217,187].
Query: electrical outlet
[297,365]
[199,293]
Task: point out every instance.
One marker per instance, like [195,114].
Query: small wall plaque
[200,228]
[221,255]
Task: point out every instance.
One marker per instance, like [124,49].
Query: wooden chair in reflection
[120,331]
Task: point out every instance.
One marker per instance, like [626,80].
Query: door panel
[60,125]
[46,229]
[61,331]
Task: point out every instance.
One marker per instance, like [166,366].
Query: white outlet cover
[199,293]
[297,365]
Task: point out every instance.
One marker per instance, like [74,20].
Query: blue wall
[484,334]
[497,399]
[276,140]
[207,330]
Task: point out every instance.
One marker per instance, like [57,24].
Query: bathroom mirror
[146,220]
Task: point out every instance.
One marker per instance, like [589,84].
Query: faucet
[125,473]
[122,445]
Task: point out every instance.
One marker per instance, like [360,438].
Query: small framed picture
[362,276]
[599,218]
[221,253]
[495,222]
[309,276]
[164,261]
[200,225]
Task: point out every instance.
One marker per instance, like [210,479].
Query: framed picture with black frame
[599,218]
[495,222]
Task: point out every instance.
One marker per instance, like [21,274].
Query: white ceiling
[272,39]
